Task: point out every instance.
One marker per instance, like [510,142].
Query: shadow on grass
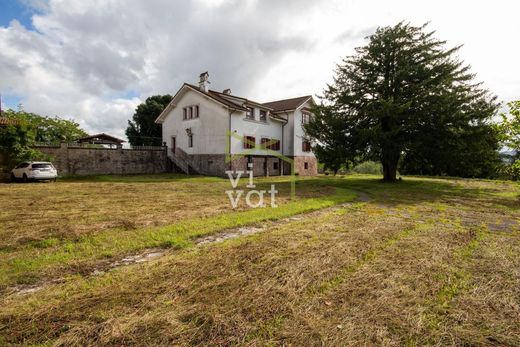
[414,190]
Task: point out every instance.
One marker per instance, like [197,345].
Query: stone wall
[84,161]
[301,161]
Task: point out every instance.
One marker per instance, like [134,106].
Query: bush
[514,171]
[368,167]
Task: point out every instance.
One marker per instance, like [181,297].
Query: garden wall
[71,160]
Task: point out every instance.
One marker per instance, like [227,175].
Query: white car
[34,170]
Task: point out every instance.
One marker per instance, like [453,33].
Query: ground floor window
[190,141]
[275,165]
[306,166]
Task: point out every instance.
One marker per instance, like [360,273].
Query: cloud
[96,60]
[81,53]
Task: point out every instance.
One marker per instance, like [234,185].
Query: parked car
[34,170]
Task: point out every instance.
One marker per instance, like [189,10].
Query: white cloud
[86,56]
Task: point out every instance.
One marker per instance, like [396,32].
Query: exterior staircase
[181,160]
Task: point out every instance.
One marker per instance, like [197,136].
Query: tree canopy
[142,129]
[406,99]
[29,128]
[510,126]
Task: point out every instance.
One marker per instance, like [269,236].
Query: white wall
[209,130]
[299,133]
[271,129]
[288,134]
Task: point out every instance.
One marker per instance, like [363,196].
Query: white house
[198,122]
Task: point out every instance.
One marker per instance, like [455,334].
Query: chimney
[204,82]
[227,91]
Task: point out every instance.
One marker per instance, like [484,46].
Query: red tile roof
[8,121]
[287,104]
[274,106]
[101,137]
[218,97]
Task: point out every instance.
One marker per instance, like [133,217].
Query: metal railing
[97,146]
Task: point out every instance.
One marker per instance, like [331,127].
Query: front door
[174,144]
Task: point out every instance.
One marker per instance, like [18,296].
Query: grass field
[420,262]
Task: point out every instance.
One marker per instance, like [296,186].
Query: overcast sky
[95,60]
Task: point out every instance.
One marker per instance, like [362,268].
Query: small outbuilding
[102,139]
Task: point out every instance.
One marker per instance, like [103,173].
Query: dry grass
[74,208]
[425,262]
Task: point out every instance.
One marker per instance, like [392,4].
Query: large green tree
[405,98]
[142,129]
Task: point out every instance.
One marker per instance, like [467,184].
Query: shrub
[368,167]
[514,171]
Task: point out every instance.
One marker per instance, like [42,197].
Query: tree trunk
[389,159]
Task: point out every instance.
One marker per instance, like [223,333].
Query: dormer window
[250,113]
[263,116]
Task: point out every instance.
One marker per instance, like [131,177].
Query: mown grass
[424,262]
[51,256]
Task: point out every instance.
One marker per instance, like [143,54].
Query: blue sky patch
[15,9]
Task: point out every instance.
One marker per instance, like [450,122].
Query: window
[306,118]
[263,116]
[264,142]
[250,113]
[306,166]
[22,166]
[249,142]
[41,166]
[190,112]
[306,146]
[190,140]
[275,165]
[275,145]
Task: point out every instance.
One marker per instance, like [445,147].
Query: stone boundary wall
[83,161]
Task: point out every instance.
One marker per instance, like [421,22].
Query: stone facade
[305,166]
[209,164]
[262,165]
[83,161]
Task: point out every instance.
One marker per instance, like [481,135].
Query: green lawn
[420,262]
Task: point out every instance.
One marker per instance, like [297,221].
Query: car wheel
[13,177]
[25,179]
